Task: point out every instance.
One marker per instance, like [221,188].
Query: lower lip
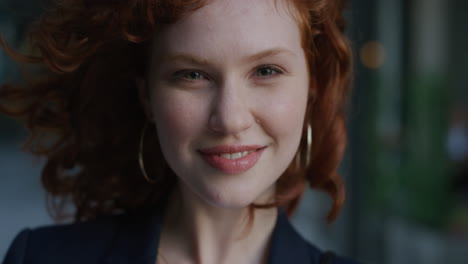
[234,166]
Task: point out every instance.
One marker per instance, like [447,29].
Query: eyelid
[178,75]
[279,70]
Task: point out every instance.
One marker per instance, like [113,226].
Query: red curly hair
[84,115]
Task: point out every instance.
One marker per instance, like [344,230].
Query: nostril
[233,121]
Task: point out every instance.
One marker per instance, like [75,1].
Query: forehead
[230,25]
[234,8]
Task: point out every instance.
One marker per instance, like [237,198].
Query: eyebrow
[267,53]
[248,59]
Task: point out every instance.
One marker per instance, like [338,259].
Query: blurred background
[406,167]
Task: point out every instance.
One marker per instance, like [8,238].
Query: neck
[197,232]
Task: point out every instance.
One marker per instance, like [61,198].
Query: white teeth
[225,155]
[236,155]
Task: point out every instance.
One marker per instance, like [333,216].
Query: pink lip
[211,156]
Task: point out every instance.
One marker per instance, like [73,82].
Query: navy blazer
[133,238]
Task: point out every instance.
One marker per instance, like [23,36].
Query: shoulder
[288,246]
[72,243]
[132,237]
[329,257]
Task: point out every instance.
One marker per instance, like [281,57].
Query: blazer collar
[287,246]
[137,238]
[137,241]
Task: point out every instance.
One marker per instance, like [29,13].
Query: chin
[230,198]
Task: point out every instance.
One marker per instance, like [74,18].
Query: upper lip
[229,149]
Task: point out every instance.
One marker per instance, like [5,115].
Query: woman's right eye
[189,75]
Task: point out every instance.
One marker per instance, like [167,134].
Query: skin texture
[207,88]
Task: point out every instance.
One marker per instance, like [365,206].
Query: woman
[178,128]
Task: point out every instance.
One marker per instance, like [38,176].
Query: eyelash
[183,74]
[275,69]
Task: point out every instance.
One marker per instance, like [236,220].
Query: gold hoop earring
[309,149]
[298,159]
[140,156]
[309,145]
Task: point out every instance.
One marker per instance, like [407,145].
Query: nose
[231,113]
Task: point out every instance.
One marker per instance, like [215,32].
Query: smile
[233,156]
[232,159]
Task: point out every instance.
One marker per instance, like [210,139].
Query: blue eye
[267,71]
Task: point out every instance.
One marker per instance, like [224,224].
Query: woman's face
[228,91]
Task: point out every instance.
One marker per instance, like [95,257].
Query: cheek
[178,119]
[285,114]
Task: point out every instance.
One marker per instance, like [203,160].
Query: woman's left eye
[188,75]
[267,71]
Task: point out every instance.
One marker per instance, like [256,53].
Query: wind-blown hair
[85,118]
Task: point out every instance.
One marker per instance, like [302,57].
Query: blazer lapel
[288,246]
[137,239]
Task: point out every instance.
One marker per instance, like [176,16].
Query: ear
[144,97]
